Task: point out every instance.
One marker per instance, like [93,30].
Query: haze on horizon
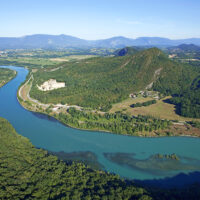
[174,19]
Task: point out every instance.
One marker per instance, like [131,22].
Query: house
[132,96]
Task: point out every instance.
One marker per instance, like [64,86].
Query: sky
[100,19]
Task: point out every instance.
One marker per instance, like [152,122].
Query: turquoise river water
[128,156]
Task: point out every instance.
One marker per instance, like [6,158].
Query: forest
[188,102]
[30,173]
[113,122]
[6,75]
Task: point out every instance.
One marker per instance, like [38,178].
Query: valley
[100,100]
[111,111]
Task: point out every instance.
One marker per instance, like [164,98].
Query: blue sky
[99,19]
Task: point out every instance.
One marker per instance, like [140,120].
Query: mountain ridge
[67,41]
[185,47]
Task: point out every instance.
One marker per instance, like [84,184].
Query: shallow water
[48,133]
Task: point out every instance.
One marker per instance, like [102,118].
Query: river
[128,156]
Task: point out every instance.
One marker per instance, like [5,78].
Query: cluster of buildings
[152,94]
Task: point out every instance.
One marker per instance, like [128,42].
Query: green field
[160,110]
[35,62]
[38,58]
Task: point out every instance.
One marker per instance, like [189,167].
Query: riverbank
[84,119]
[33,169]
[46,133]
[10,77]
[52,177]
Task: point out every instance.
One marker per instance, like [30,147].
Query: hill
[187,53]
[114,42]
[66,41]
[41,41]
[99,82]
[184,48]
[125,51]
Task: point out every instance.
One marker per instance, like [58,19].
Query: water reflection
[44,116]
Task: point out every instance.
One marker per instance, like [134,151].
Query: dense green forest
[116,122]
[175,80]
[188,102]
[30,173]
[100,82]
[6,75]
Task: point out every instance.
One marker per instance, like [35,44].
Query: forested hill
[126,51]
[184,48]
[99,82]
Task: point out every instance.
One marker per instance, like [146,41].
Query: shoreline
[10,78]
[103,131]
[20,100]
[92,130]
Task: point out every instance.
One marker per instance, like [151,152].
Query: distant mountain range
[66,41]
[184,48]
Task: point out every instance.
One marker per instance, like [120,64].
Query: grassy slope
[161,109]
